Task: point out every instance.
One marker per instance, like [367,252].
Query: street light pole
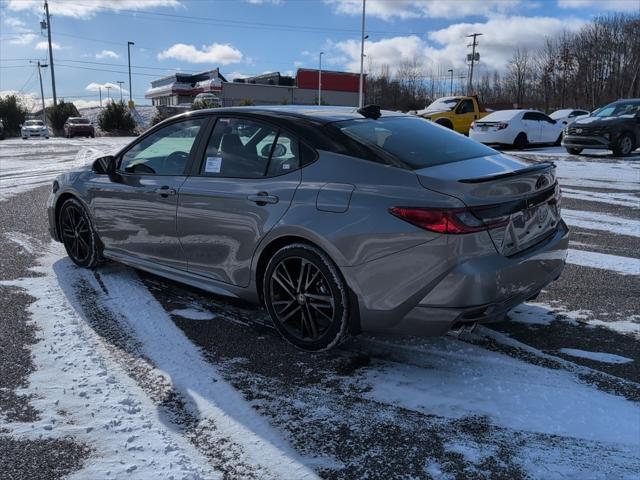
[108,87]
[120,83]
[361,89]
[53,75]
[451,87]
[44,113]
[320,80]
[129,59]
[100,93]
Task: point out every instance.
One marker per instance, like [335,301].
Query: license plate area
[528,227]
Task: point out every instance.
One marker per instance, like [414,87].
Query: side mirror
[105,165]
[565,122]
[554,121]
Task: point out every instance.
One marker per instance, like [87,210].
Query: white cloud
[15,23]
[87,9]
[107,54]
[216,53]
[388,51]
[403,9]
[608,5]
[43,45]
[22,39]
[447,47]
[233,75]
[95,87]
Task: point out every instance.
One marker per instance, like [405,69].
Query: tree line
[588,68]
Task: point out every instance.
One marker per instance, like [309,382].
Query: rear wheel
[624,146]
[574,151]
[306,297]
[78,236]
[521,140]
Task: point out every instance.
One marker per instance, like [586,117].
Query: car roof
[315,113]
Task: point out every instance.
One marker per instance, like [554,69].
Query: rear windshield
[416,142]
[31,123]
[500,115]
[83,121]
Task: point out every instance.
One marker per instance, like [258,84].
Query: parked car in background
[338,220]
[568,115]
[613,127]
[2,130]
[34,128]
[79,127]
[209,100]
[518,128]
[456,113]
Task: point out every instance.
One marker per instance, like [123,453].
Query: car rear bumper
[575,141]
[491,137]
[408,293]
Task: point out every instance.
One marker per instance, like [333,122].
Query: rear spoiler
[515,173]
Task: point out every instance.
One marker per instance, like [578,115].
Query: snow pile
[601,221]
[597,356]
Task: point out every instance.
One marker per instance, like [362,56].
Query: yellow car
[456,113]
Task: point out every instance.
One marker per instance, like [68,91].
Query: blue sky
[254,36]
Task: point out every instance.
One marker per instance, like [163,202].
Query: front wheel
[574,151]
[78,235]
[306,297]
[624,146]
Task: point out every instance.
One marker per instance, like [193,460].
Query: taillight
[452,221]
[502,125]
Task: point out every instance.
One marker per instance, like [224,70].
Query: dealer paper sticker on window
[213,165]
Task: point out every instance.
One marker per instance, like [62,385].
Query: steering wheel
[176,159]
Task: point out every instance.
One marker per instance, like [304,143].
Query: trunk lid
[524,194]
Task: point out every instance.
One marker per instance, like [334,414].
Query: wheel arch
[63,197]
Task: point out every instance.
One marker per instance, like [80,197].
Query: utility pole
[120,83]
[361,89]
[100,92]
[320,80]
[129,59]
[451,85]
[44,113]
[108,87]
[53,75]
[473,59]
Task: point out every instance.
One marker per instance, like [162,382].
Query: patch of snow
[601,221]
[604,261]
[106,409]
[193,314]
[619,175]
[597,356]
[630,326]
[466,380]
[622,199]
[27,164]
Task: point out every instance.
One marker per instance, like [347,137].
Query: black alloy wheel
[306,297]
[79,238]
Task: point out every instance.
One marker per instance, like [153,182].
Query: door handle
[263,198]
[165,191]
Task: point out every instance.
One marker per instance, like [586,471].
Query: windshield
[560,114]
[618,109]
[34,123]
[447,103]
[83,121]
[415,141]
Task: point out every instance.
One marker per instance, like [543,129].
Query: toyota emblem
[541,182]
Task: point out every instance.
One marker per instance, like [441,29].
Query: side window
[543,118]
[529,116]
[165,152]
[466,106]
[243,148]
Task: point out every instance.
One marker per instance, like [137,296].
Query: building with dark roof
[180,89]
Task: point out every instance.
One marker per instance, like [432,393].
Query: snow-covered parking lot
[119,374]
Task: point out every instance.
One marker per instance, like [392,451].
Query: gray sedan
[338,220]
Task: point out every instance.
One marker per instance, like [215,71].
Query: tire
[445,123]
[558,141]
[521,140]
[315,315]
[574,151]
[624,145]
[78,235]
